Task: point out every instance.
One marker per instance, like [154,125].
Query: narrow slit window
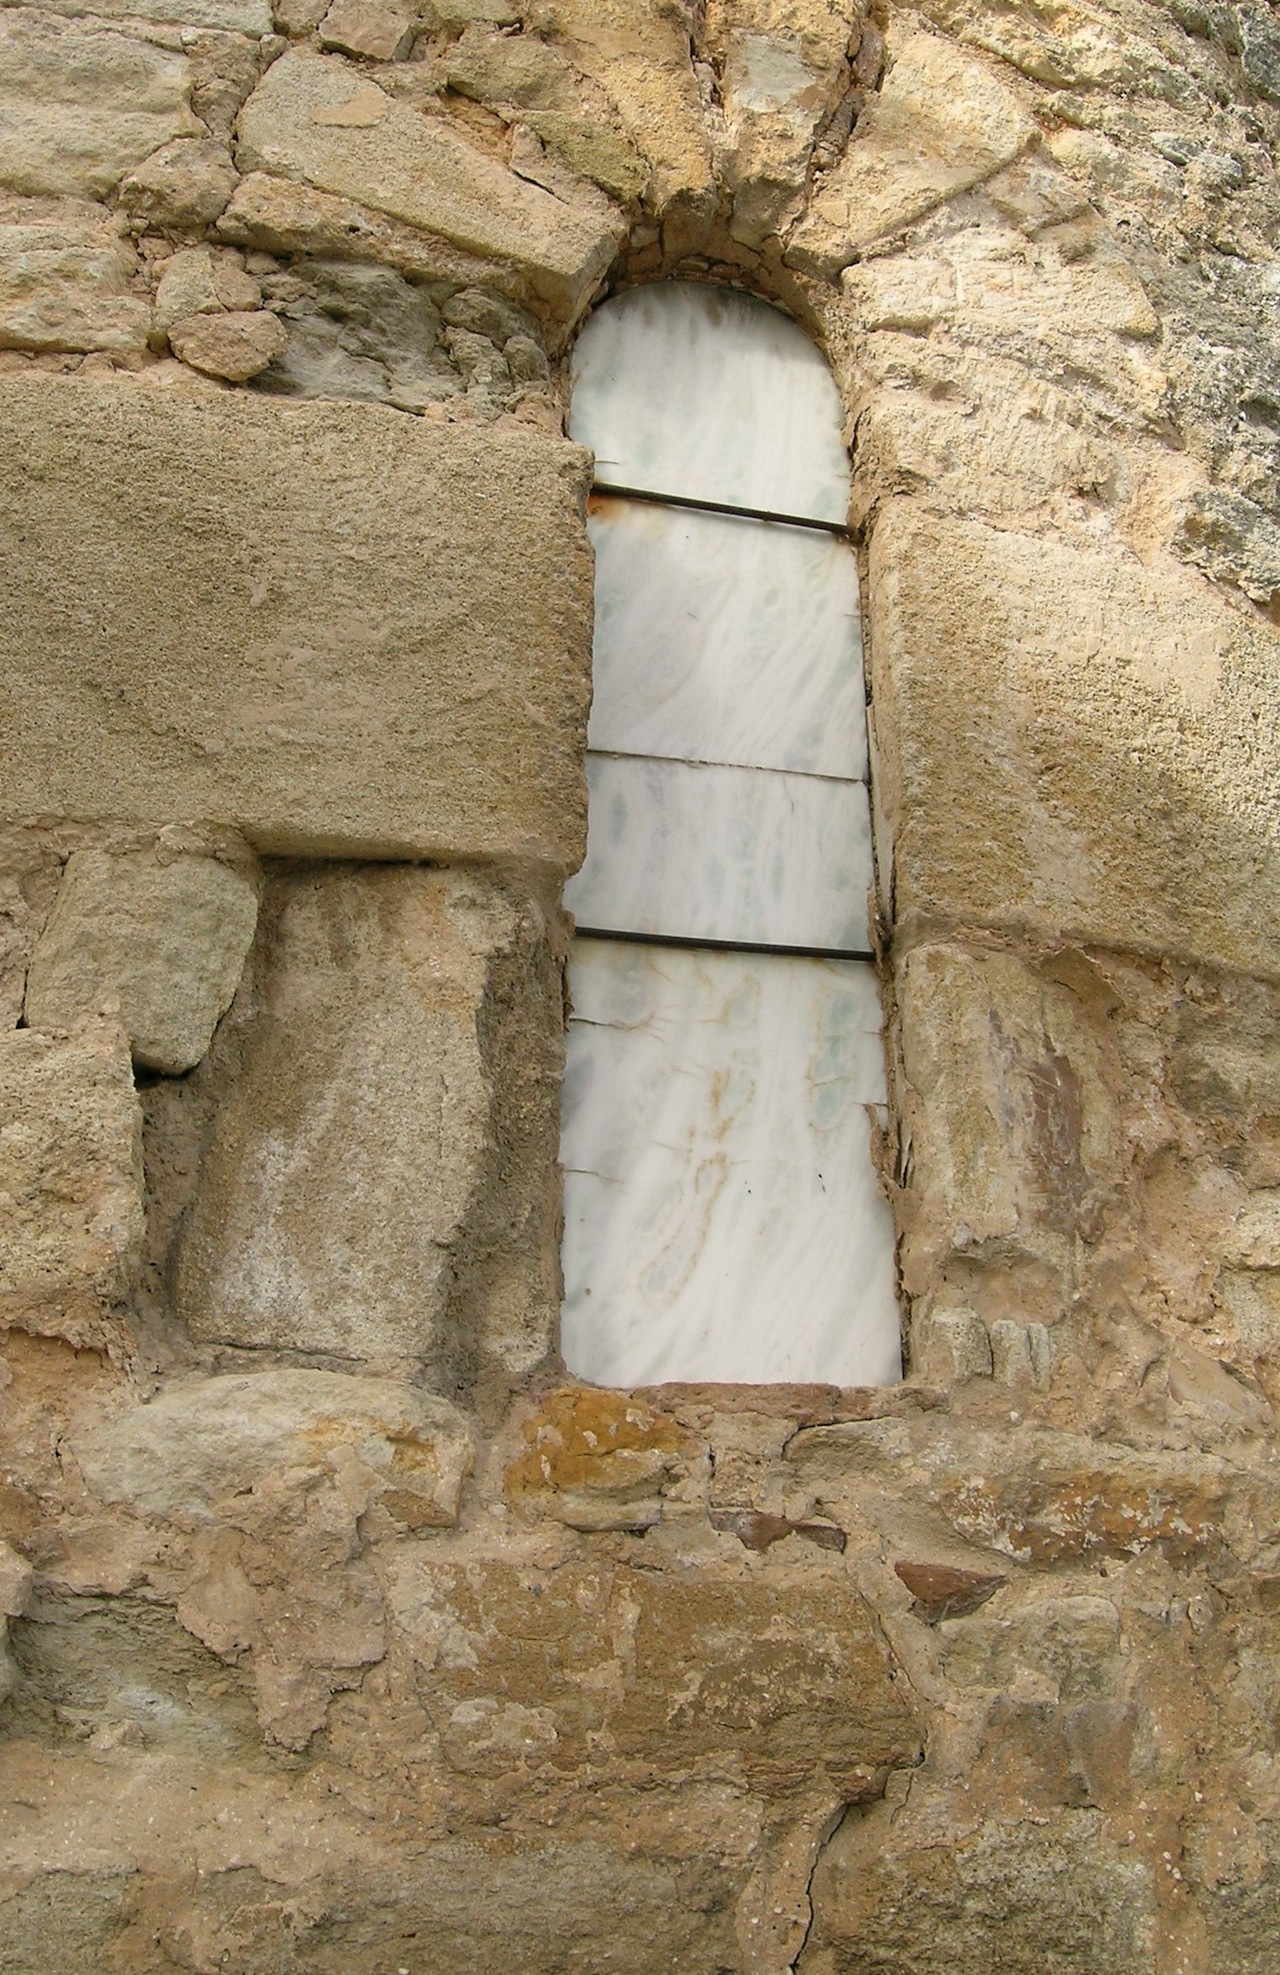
[723,1219]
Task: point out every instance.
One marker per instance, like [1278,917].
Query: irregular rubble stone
[940,124]
[165,935]
[1108,774]
[1063,1650]
[15,1588]
[366,27]
[349,1164]
[182,187]
[66,285]
[387,649]
[188,1453]
[187,287]
[309,120]
[235,345]
[79,106]
[597,1460]
[71,1180]
[949,1346]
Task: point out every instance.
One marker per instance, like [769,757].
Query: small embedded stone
[758,1531]
[941,1591]
[235,346]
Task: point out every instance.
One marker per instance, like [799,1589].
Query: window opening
[722,1215]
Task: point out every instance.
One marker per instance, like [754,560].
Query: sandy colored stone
[311,119]
[948,1346]
[350,1175]
[66,285]
[70,1180]
[638,52]
[941,123]
[367,27]
[1109,781]
[781,1675]
[1011,1091]
[234,16]
[236,344]
[187,1453]
[598,1460]
[187,287]
[166,937]
[385,649]
[182,187]
[79,106]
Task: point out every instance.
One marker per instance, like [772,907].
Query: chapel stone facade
[345,1633]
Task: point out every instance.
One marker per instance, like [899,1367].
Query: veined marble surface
[708,853]
[713,395]
[726,640]
[722,1216]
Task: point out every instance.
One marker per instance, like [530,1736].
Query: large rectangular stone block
[1074,744]
[344,630]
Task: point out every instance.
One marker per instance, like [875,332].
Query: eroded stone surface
[67,285]
[366,663]
[71,1179]
[164,935]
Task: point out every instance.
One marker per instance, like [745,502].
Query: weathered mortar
[339,1640]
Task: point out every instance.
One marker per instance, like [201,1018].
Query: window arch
[722,1215]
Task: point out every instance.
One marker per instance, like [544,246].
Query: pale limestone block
[776,89]
[235,345]
[1116,775]
[384,649]
[314,119]
[1009,1102]
[165,937]
[900,291]
[70,1182]
[941,123]
[949,1346]
[379,32]
[65,285]
[182,187]
[1250,1301]
[188,1453]
[1040,1345]
[351,1157]
[1254,1241]
[79,106]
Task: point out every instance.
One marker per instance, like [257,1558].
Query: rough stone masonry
[344,1635]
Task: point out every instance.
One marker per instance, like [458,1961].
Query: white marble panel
[722,1216]
[703,392]
[726,640]
[743,854]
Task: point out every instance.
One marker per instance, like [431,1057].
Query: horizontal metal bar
[721,507]
[726,945]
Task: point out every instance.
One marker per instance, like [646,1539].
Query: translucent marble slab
[722,1217]
[725,640]
[706,393]
[741,854]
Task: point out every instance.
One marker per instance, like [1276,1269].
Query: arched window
[722,1215]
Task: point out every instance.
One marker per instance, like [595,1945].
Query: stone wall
[341,1633]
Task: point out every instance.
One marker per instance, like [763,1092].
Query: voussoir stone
[941,123]
[312,118]
[207,1440]
[70,1181]
[340,630]
[166,937]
